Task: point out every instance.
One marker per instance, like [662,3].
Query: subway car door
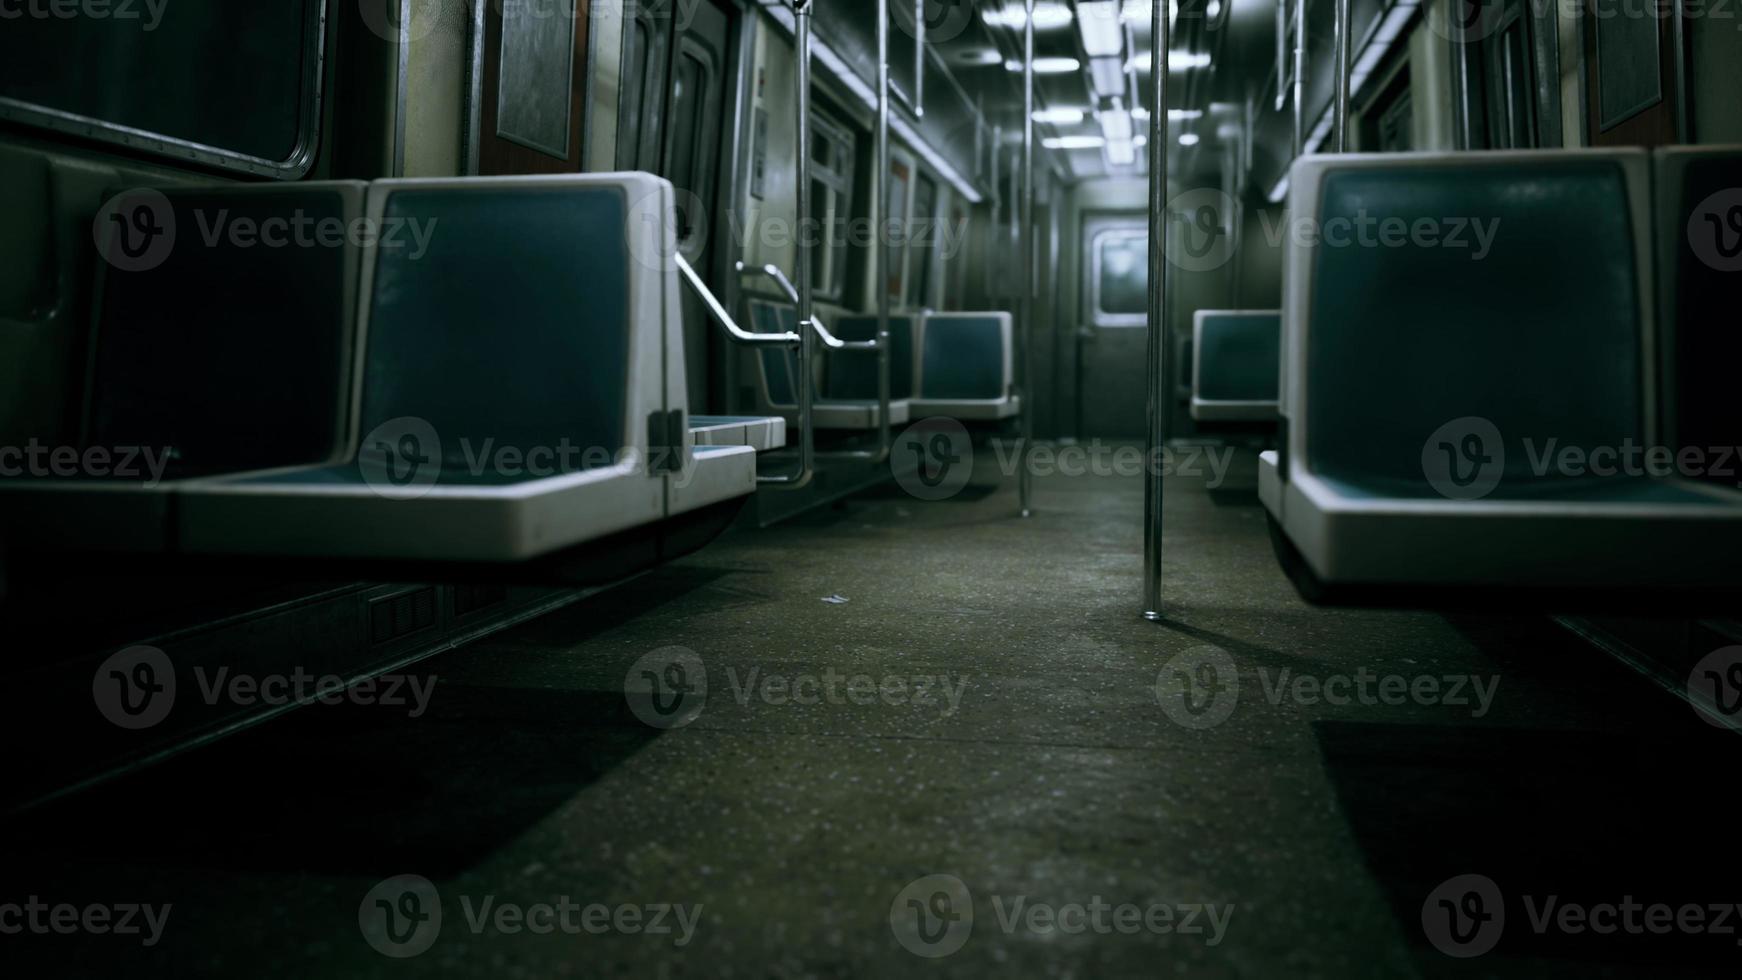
[683,55]
[1112,385]
[534,87]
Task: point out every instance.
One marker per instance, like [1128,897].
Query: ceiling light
[1176,61]
[1074,143]
[1098,22]
[1188,139]
[1060,117]
[1116,125]
[1047,16]
[1048,66]
[1108,75]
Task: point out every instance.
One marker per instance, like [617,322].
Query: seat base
[855,415]
[1213,411]
[1678,544]
[969,411]
[761,433]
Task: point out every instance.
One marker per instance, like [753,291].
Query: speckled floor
[981,763]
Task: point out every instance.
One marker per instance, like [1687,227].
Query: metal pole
[1025,271]
[886,247]
[807,347]
[918,59]
[1300,53]
[1160,390]
[1345,44]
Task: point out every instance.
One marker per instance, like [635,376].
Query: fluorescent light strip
[827,57]
[1048,66]
[1074,143]
[1099,24]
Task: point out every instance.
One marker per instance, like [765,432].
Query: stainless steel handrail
[829,340]
[737,333]
[1344,48]
[1160,359]
[1025,276]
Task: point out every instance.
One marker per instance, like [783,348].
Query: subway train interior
[789,488]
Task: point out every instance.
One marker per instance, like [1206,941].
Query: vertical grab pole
[1159,336]
[807,347]
[1345,43]
[885,238]
[919,59]
[1300,53]
[1025,271]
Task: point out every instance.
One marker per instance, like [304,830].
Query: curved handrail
[829,340]
[724,318]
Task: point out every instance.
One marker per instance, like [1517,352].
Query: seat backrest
[1237,356]
[853,375]
[518,313]
[1699,235]
[228,341]
[779,365]
[1422,289]
[966,356]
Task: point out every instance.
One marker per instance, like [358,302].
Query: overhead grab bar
[737,333]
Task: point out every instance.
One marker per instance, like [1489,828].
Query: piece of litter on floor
[837,600]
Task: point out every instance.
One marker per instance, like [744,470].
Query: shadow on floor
[349,789]
[1577,817]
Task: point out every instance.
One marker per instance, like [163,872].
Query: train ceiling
[1094,78]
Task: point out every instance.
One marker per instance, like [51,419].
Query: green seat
[1236,365]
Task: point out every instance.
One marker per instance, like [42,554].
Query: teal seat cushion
[512,330]
[1540,334]
[963,358]
[230,358]
[779,366]
[1241,357]
[853,375]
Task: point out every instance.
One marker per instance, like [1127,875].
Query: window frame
[1102,317]
[837,200]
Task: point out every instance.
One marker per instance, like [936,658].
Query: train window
[1121,277]
[691,170]
[639,116]
[832,147]
[923,239]
[629,117]
[236,85]
[900,176]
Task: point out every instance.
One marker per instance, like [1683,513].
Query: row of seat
[1536,410]
[491,372]
[1236,365]
[955,365]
